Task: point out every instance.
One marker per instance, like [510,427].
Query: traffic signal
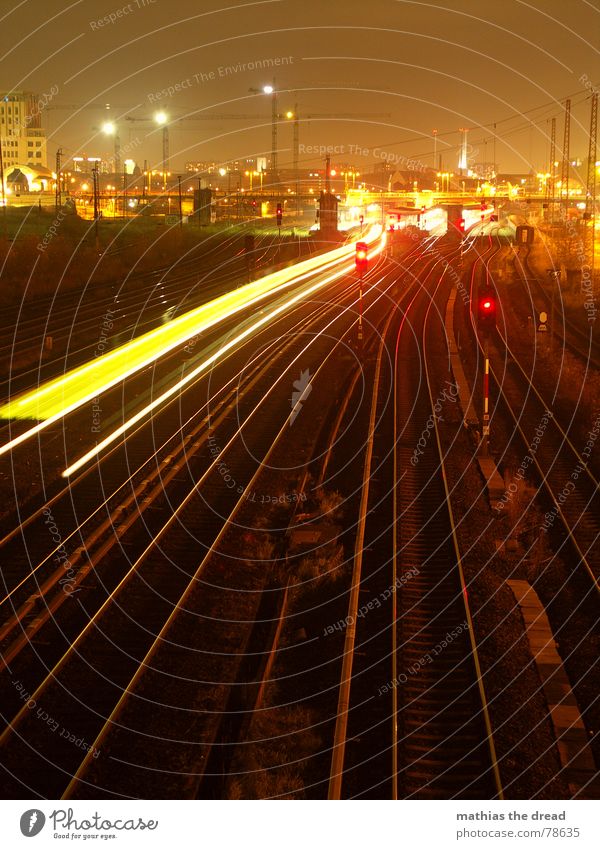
[279,214]
[486,309]
[362,257]
[461,224]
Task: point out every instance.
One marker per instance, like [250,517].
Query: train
[455,219]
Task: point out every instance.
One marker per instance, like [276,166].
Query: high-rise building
[21,134]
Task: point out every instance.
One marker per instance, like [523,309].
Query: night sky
[442,65]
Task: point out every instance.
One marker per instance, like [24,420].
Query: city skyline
[191,78]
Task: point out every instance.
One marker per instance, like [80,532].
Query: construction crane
[111,126]
[230,116]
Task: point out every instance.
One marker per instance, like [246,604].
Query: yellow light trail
[173,390]
[60,396]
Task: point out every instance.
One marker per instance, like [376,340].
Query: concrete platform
[577,760]
[493,478]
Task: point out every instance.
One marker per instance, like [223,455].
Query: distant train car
[461,218]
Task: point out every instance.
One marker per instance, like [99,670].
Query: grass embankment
[497,546]
[567,253]
[42,253]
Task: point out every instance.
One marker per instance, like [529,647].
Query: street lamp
[445,176]
[252,174]
[345,174]
[272,92]
[293,116]
[109,128]
[270,89]
[162,120]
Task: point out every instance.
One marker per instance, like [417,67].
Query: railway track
[234,715]
[142,389]
[569,335]
[409,726]
[127,493]
[45,587]
[563,471]
[120,317]
[145,597]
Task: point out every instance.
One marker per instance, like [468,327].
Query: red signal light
[362,256]
[487,310]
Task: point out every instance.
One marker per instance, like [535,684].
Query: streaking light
[61,396]
[173,390]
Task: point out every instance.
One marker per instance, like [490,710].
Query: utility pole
[124,191]
[327,174]
[180,206]
[165,147]
[57,192]
[274,118]
[296,147]
[590,189]
[96,210]
[435,134]
[552,177]
[485,440]
[361,262]
[564,176]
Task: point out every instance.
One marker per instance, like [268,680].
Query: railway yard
[282,558]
